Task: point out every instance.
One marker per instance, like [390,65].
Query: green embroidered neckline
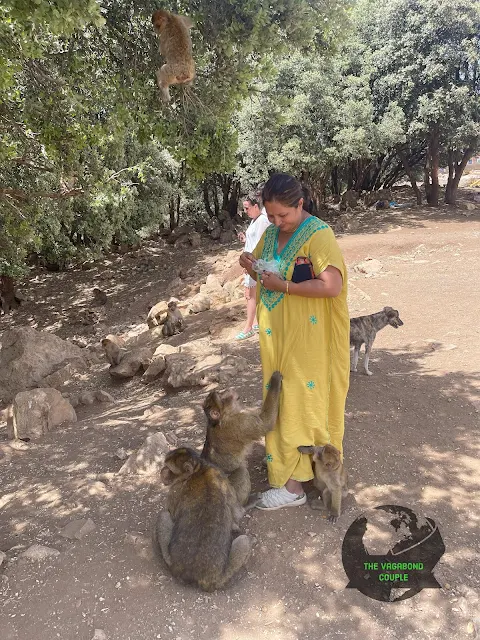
[289,252]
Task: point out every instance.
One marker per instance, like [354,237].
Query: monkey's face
[330,457]
[167,475]
[172,306]
[159,20]
[230,400]
[213,408]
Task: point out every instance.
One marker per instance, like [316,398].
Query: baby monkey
[330,478]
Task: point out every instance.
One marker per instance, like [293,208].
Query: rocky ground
[411,440]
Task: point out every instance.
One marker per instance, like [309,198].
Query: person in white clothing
[252,205]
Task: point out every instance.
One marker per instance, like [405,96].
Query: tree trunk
[431,169]
[411,177]
[206,198]
[171,212]
[350,176]
[233,200]
[335,183]
[216,204]
[455,172]
[225,185]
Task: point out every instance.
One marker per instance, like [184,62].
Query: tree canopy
[343,97]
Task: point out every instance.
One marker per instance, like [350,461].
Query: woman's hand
[272,282]
[241,236]
[246,261]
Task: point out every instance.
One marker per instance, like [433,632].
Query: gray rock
[37,412]
[28,356]
[39,552]
[103,396]
[78,529]
[369,266]
[149,459]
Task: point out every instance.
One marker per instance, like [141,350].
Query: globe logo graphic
[389,553]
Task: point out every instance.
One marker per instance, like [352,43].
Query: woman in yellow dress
[304,333]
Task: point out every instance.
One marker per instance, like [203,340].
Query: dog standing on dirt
[364,329]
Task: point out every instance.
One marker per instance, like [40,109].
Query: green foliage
[88,154]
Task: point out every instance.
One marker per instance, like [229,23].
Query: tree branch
[22,196]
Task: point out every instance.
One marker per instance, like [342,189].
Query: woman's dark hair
[283,188]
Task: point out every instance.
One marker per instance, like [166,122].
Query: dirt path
[411,440]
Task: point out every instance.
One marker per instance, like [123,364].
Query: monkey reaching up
[176,48]
[174,322]
[231,432]
[194,535]
[330,478]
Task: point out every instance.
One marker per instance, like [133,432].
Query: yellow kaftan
[307,340]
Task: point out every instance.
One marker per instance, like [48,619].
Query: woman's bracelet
[287,289]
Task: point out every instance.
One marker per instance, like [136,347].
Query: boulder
[149,459]
[156,367]
[78,529]
[227,236]
[200,302]
[65,373]
[28,356]
[164,349]
[39,411]
[103,396]
[213,289]
[39,552]
[369,266]
[234,289]
[195,239]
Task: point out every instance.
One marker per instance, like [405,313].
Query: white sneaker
[277,498]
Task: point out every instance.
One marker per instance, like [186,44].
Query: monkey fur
[194,534]
[176,47]
[231,432]
[174,322]
[330,478]
[114,349]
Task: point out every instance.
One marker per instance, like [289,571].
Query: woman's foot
[278,498]
[243,335]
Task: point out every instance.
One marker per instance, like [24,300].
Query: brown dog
[364,329]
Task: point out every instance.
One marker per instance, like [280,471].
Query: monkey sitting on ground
[330,478]
[174,322]
[194,534]
[114,349]
[176,48]
[231,432]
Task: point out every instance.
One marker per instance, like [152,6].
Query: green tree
[423,55]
